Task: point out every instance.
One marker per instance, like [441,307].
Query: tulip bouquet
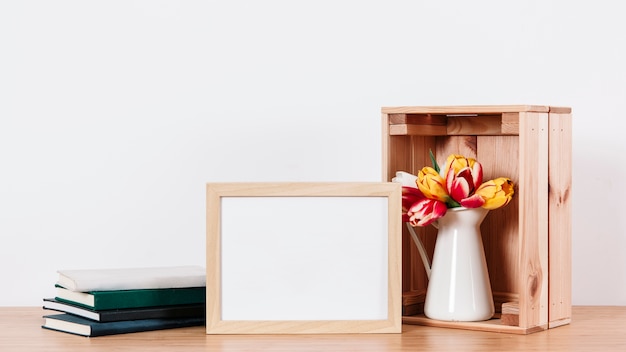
[427,196]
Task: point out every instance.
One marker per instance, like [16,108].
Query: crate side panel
[560,230]
[533,239]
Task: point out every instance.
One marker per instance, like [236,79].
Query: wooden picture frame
[296,258]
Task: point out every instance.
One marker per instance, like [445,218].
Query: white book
[132,278]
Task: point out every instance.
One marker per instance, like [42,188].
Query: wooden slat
[417,130]
[478,125]
[560,110]
[487,125]
[499,298]
[467,109]
[560,229]
[417,119]
[510,313]
[492,325]
[510,123]
[499,156]
[413,297]
[420,147]
[464,145]
[399,154]
[386,148]
[533,218]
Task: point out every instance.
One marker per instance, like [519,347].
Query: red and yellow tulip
[496,193]
[432,185]
[426,211]
[463,176]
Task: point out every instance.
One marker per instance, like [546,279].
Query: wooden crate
[528,242]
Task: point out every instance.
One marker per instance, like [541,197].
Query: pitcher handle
[420,248]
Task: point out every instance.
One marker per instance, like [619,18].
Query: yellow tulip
[432,184]
[496,193]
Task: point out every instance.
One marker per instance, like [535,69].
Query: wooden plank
[420,147]
[560,110]
[510,313]
[500,298]
[399,155]
[417,119]
[456,125]
[413,297]
[477,125]
[492,325]
[413,302]
[463,145]
[510,123]
[560,229]
[464,109]
[557,323]
[510,118]
[386,148]
[499,156]
[417,130]
[533,220]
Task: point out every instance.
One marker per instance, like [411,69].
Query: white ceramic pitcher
[458,286]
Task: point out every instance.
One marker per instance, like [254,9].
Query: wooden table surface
[592,329]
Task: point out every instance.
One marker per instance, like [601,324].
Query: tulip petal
[477,173]
[474,201]
[460,189]
[432,184]
[405,178]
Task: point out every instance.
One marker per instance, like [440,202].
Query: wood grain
[592,329]
[533,198]
[560,225]
[470,109]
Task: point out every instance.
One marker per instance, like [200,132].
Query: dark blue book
[85,327]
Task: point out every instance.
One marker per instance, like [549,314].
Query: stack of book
[115,301]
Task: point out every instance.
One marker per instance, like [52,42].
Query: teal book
[173,311]
[122,299]
[85,327]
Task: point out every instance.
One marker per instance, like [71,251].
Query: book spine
[104,300]
[129,326]
[191,311]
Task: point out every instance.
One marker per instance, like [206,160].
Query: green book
[121,299]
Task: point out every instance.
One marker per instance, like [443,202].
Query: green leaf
[451,203]
[433,160]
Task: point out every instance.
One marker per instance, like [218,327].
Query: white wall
[114,114]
